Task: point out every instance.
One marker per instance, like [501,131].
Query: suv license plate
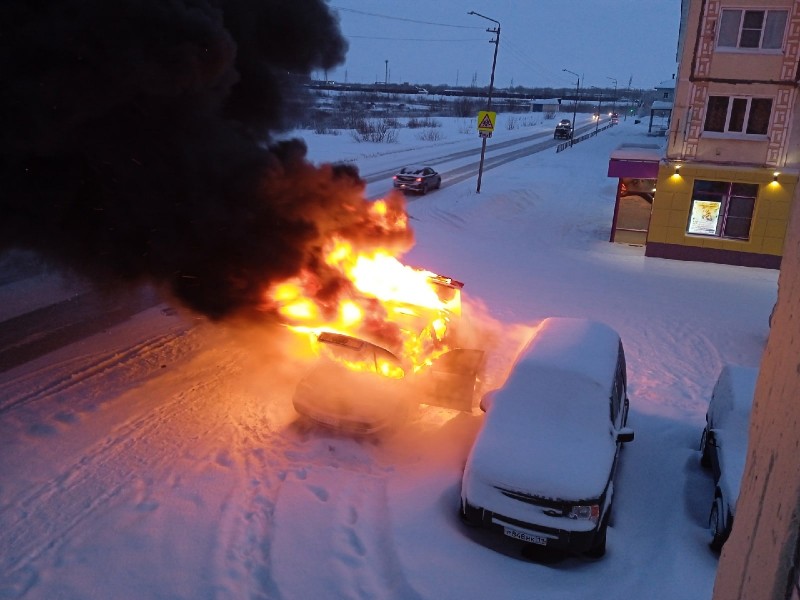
[525,537]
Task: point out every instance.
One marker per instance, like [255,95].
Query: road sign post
[496,42]
[486,121]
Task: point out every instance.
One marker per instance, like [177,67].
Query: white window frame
[737,47]
[746,120]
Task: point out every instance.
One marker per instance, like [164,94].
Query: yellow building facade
[685,227]
[725,187]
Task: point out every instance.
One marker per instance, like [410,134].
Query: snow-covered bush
[374,130]
[430,135]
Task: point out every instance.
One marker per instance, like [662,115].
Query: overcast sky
[437,42]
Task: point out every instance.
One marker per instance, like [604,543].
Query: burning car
[358,387]
[396,326]
[354,386]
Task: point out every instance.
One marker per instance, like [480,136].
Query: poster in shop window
[704,217]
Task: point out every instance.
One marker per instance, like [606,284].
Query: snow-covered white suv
[541,470]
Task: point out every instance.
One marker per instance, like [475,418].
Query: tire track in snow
[676,391]
[442,216]
[108,472]
[333,530]
[30,335]
[153,352]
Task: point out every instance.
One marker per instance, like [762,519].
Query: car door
[452,379]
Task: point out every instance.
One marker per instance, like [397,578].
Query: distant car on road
[723,444]
[541,470]
[417,178]
[563,130]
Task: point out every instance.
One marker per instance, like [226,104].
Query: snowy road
[460,165]
[45,329]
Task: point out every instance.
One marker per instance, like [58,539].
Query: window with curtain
[752,29]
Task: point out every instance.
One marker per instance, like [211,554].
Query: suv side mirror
[625,434]
[486,401]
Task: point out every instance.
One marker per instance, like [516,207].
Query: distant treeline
[467,92]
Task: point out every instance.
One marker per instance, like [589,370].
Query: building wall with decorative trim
[756,82]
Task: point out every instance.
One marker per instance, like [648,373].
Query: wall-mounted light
[677,169]
[775,176]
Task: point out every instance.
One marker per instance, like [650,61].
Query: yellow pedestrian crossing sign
[486,121]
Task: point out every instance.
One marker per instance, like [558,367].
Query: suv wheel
[598,549]
[465,516]
[716,522]
[705,453]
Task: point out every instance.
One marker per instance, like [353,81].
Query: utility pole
[628,96]
[386,79]
[599,104]
[575,107]
[614,106]
[496,42]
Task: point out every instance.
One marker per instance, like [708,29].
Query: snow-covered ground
[163,459]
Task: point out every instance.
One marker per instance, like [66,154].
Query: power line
[524,58]
[398,39]
[369,14]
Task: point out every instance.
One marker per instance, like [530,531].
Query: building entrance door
[632,212]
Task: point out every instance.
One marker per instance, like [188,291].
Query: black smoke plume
[135,144]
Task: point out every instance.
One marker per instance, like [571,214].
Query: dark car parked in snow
[417,178]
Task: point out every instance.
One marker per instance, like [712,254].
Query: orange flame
[406,310]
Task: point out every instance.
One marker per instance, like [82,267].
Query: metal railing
[580,138]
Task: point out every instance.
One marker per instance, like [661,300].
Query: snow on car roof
[413,169]
[553,410]
[580,346]
[733,393]
[729,416]
[541,420]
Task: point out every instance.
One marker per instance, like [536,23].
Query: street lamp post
[496,42]
[614,105]
[575,107]
[599,104]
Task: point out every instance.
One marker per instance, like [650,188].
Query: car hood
[333,389]
[563,469]
[554,449]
